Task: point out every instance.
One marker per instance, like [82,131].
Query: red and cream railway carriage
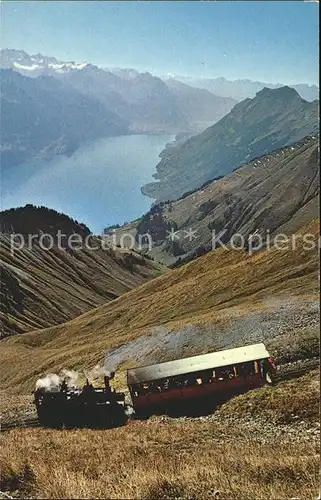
[193,382]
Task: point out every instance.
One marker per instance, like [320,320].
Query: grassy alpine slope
[238,137]
[40,287]
[277,192]
[220,286]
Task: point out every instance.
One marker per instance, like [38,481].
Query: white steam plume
[49,383]
[70,376]
[100,371]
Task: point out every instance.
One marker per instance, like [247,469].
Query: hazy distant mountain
[98,84]
[242,89]
[143,100]
[271,120]
[151,104]
[195,109]
[124,73]
[199,106]
[148,103]
[43,116]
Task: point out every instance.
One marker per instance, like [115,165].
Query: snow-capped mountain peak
[36,65]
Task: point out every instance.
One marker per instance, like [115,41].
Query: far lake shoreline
[99,184]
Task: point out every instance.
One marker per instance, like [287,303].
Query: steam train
[188,385]
[86,407]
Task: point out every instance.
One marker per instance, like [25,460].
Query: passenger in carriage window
[172,383]
[166,385]
[207,376]
[135,390]
[219,372]
[228,372]
[179,382]
[154,387]
[145,388]
[186,382]
[140,390]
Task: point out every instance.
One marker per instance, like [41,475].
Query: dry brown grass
[156,461]
[285,402]
[13,402]
[176,458]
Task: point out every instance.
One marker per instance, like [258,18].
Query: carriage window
[225,372]
[138,390]
[154,387]
[246,368]
[135,390]
[207,377]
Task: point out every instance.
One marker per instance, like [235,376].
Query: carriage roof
[197,363]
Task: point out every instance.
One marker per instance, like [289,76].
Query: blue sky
[261,40]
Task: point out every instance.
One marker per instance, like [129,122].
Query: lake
[98,185]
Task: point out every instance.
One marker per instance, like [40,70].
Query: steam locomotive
[86,407]
[181,385]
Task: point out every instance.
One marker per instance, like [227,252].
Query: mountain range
[42,117]
[242,89]
[274,118]
[38,64]
[85,102]
[42,89]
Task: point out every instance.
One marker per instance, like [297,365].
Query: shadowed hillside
[41,287]
[213,289]
[31,219]
[272,119]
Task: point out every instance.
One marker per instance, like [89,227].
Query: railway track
[287,375]
[29,422]
[297,372]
